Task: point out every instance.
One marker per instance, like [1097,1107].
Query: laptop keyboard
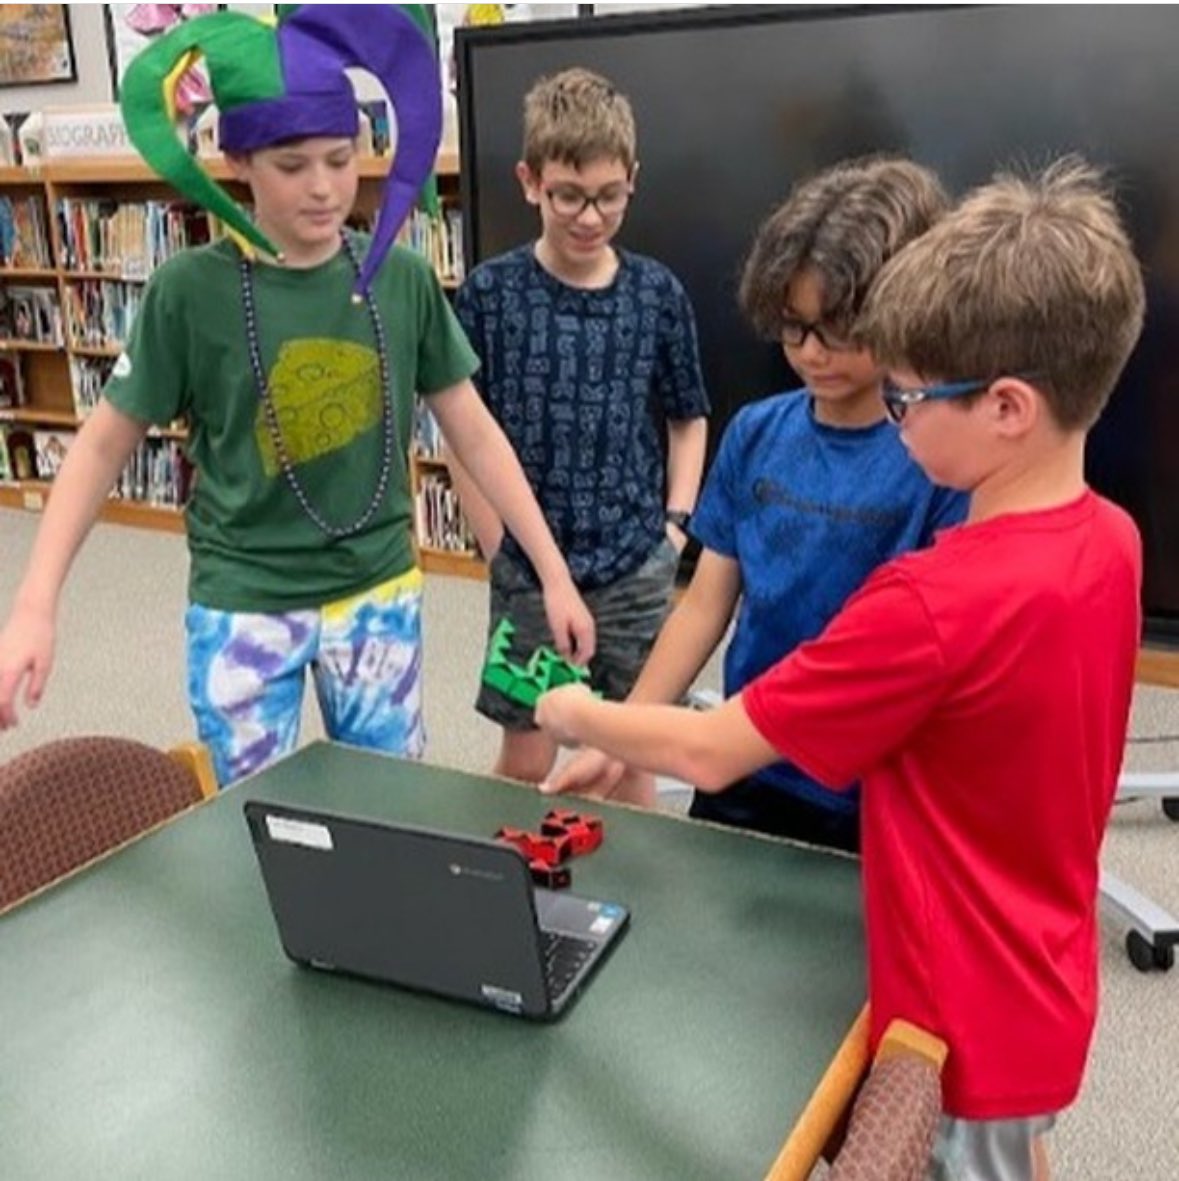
[564,956]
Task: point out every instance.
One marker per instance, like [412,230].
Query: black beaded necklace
[388,425]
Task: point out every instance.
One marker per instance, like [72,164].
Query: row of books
[126,238]
[440,522]
[130,239]
[439,239]
[30,313]
[24,241]
[88,378]
[157,473]
[12,381]
[427,437]
[101,311]
[27,454]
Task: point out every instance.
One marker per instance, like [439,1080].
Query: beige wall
[94,75]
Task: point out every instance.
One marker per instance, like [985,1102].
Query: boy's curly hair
[845,224]
[1028,275]
[576,117]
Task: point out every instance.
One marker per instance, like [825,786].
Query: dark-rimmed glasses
[897,401]
[796,330]
[570,202]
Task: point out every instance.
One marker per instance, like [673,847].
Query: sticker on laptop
[502,998]
[299,832]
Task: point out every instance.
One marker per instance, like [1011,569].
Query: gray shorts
[986,1150]
[628,614]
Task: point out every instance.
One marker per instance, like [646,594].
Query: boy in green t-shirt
[297,382]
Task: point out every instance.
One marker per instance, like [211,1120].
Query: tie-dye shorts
[246,675]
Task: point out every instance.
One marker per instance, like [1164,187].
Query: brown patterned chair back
[893,1122]
[67,802]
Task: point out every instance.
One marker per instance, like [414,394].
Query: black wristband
[679,518]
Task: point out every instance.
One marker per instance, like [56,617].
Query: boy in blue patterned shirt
[810,491]
[581,345]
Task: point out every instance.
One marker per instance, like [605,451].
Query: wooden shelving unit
[46,367]
[455,564]
[1159,666]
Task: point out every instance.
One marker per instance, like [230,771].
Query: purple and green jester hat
[278,82]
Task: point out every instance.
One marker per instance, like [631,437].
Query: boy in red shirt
[981,688]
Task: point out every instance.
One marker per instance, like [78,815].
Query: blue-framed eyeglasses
[897,401]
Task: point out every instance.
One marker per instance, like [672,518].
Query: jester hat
[284,81]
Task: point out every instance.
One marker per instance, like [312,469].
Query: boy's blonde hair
[1033,277]
[576,117]
[844,223]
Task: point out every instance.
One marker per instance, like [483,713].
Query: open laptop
[426,910]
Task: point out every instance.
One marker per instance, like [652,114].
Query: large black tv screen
[736,104]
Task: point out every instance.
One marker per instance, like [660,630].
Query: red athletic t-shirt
[980,689]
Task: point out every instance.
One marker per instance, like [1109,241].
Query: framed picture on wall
[131,27]
[36,44]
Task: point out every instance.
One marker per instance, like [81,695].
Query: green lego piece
[524,684]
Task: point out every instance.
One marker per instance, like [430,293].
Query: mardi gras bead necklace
[246,272]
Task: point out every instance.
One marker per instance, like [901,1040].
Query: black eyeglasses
[795,331]
[897,401]
[568,201]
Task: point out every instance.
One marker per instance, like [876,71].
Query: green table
[152,1027]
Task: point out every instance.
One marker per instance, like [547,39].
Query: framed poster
[36,44]
[131,27]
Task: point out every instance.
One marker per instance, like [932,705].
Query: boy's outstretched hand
[599,776]
[26,655]
[589,773]
[570,622]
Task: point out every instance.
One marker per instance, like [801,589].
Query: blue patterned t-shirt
[808,511]
[581,381]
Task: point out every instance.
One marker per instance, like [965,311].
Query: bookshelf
[66,303]
[1159,666]
[444,541]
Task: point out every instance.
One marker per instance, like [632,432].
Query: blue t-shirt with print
[581,380]
[808,511]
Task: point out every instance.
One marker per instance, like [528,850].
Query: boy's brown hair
[844,223]
[1033,277]
[576,117]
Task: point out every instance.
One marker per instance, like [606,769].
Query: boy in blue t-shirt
[810,491]
[582,346]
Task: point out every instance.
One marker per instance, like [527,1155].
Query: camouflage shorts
[628,614]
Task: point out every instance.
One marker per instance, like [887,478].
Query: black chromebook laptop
[426,910]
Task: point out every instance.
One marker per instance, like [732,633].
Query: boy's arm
[678,382]
[684,644]
[837,706]
[692,631]
[485,522]
[687,439]
[99,453]
[483,449]
[710,749]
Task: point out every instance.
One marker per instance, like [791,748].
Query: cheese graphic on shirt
[325,394]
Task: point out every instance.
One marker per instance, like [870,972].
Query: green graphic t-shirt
[253,547]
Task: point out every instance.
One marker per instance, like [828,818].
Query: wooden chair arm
[194,757]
